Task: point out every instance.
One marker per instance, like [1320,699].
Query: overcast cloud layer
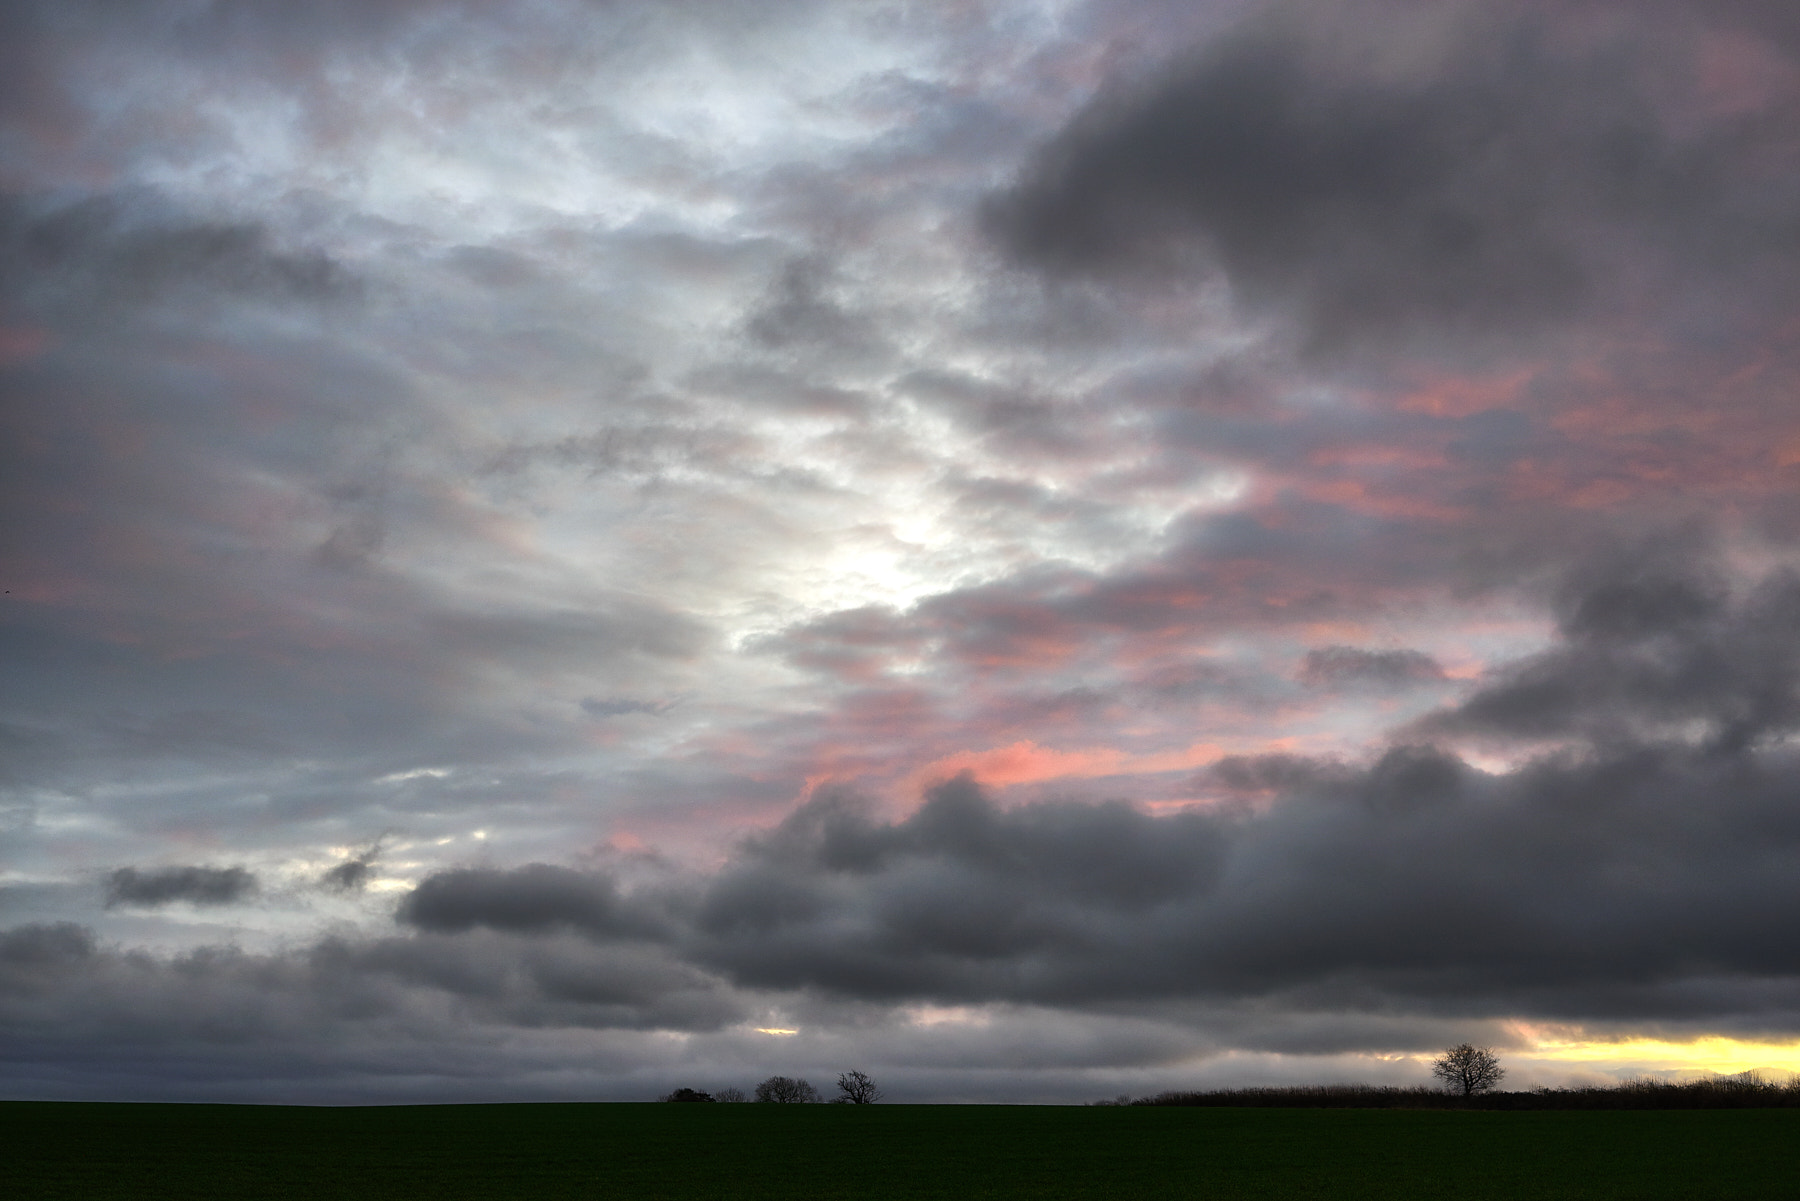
[1035,549]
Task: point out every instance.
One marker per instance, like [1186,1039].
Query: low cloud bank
[1644,867]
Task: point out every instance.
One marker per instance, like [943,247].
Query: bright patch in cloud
[1630,1055]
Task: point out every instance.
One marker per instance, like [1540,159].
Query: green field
[747,1152]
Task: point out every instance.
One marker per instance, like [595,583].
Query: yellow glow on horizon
[776,1030]
[1711,1053]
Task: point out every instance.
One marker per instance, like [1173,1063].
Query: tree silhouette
[688,1094]
[1468,1069]
[780,1090]
[854,1088]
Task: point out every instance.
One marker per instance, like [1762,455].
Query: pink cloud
[1026,762]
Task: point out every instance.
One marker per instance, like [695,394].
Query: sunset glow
[1632,1057]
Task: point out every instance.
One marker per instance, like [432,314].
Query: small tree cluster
[854,1088]
[782,1090]
[1468,1070]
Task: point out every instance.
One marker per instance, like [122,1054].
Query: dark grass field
[746,1152]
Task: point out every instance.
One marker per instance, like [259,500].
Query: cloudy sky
[1036,548]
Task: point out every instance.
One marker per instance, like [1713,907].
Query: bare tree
[779,1090]
[854,1088]
[1468,1069]
[731,1094]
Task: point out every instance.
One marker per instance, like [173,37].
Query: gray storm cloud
[1642,866]
[531,899]
[1496,175]
[1656,646]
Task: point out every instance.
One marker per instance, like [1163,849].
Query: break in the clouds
[1039,549]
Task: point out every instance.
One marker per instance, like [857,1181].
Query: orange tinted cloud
[1025,762]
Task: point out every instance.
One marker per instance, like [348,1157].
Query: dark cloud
[1655,647]
[450,1011]
[40,947]
[531,899]
[1329,666]
[1381,171]
[1584,890]
[1272,774]
[349,876]
[195,885]
[130,249]
[1596,883]
[354,873]
[547,980]
[959,900]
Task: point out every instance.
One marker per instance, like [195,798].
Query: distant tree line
[1471,1074]
[854,1088]
[1747,1091]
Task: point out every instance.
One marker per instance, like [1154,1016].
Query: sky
[1038,549]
